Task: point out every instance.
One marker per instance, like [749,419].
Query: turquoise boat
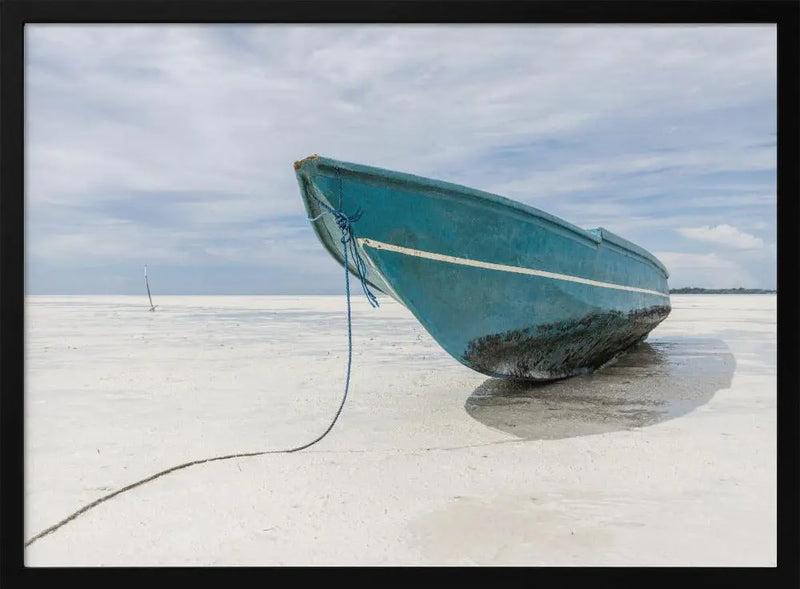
[506,289]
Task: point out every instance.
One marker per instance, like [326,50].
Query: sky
[172,145]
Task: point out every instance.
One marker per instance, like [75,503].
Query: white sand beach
[665,457]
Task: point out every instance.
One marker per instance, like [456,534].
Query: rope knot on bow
[345,223]
[348,239]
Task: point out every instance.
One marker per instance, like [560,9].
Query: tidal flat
[667,456]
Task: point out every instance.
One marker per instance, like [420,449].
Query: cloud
[176,141]
[725,235]
[699,261]
[706,270]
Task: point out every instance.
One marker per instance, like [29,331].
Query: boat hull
[508,290]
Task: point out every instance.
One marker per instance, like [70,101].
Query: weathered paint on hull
[562,349]
[506,289]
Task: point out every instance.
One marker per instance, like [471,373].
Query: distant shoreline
[693,290]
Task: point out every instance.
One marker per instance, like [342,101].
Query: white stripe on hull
[501,267]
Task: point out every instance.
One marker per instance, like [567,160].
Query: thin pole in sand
[147,284]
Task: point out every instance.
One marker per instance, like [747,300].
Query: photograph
[302,294]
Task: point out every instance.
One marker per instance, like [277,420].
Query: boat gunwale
[428,185]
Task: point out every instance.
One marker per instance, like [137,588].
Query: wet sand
[665,457]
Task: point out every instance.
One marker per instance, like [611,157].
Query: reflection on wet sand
[654,382]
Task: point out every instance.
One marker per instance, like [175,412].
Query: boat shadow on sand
[653,382]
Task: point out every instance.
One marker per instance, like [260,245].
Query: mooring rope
[344,222]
